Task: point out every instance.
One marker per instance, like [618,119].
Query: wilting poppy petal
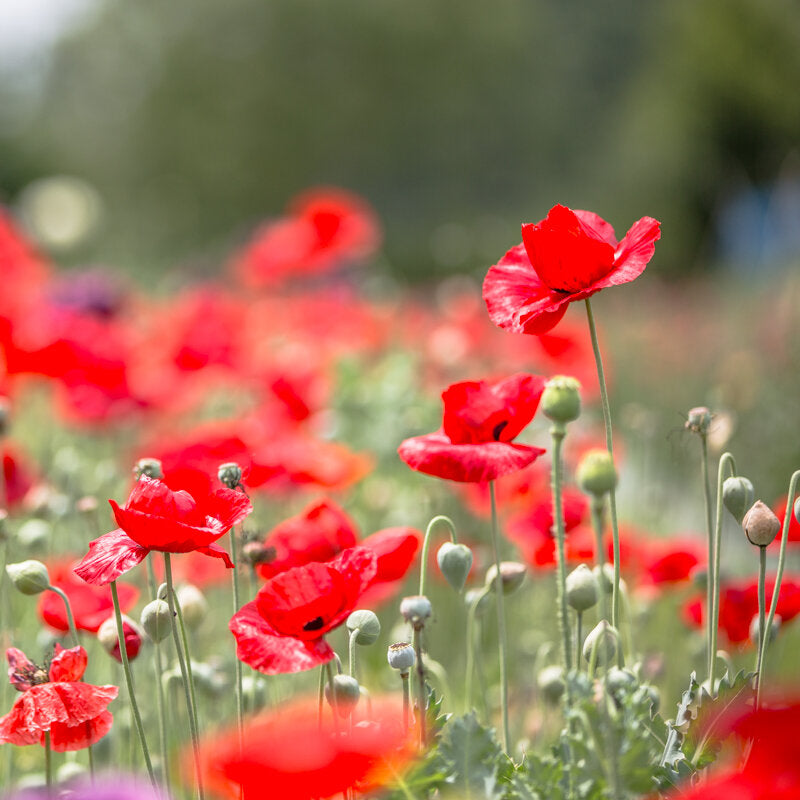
[65,738]
[109,557]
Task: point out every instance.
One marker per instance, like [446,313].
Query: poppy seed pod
[604,639]
[29,577]
[596,473]
[455,562]
[512,574]
[582,589]
[760,524]
[346,692]
[156,620]
[551,683]
[149,468]
[367,624]
[561,399]
[698,420]
[401,656]
[737,496]
[230,474]
[416,609]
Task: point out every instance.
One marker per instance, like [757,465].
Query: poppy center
[314,625]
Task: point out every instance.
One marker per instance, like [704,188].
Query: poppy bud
[760,524]
[655,698]
[149,468]
[455,562]
[618,679]
[551,683]
[604,638]
[230,474]
[797,509]
[156,620]
[256,552]
[193,604]
[346,692]
[596,473]
[108,637]
[561,399]
[512,574]
[698,420]
[29,577]
[755,633]
[737,496]
[208,679]
[401,656]
[367,624]
[482,597]
[582,588]
[604,577]
[34,534]
[416,609]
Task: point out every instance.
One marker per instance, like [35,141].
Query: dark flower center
[314,625]
[498,429]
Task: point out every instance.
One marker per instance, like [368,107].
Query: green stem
[321,694]
[406,698]
[762,613]
[712,612]
[162,716]
[174,608]
[126,668]
[501,621]
[334,701]
[426,543]
[351,653]
[70,618]
[236,606]
[422,698]
[710,580]
[578,639]
[600,555]
[558,432]
[48,764]
[612,496]
[472,645]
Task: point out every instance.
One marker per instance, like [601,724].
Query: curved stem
[426,543]
[422,700]
[710,539]
[762,614]
[70,618]
[471,647]
[501,622]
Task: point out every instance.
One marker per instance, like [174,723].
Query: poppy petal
[68,665]
[109,557]
[634,253]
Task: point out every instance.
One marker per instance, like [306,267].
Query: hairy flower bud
[230,474]
[760,524]
[401,656]
[29,577]
[149,468]
[367,624]
[455,562]
[582,589]
[416,609]
[194,606]
[561,399]
[108,637]
[737,496]
[604,639]
[346,691]
[512,574]
[551,684]
[604,577]
[596,473]
[698,420]
[156,620]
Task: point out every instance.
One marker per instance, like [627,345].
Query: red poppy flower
[671,560]
[156,518]
[55,700]
[17,477]
[292,755]
[480,420]
[282,630]
[91,605]
[568,256]
[793,537]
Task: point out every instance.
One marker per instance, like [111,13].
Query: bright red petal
[64,738]
[68,665]
[215,551]
[634,253]
[396,549]
[109,557]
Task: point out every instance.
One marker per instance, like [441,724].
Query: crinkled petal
[596,226]
[68,665]
[109,557]
[64,737]
[634,253]
[229,506]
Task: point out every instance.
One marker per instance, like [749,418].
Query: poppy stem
[578,638]
[600,556]
[126,668]
[162,716]
[422,703]
[236,606]
[726,461]
[501,621]
[762,614]
[48,764]
[188,684]
[426,542]
[710,536]
[406,698]
[351,653]
[558,432]
[472,645]
[787,518]
[612,496]
[70,618]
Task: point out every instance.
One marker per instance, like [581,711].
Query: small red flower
[55,700]
[282,630]
[671,560]
[568,256]
[156,518]
[480,420]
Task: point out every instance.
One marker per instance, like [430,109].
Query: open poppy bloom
[282,630]
[54,700]
[292,754]
[568,256]
[156,518]
[480,420]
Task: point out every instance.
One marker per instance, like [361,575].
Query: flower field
[300,531]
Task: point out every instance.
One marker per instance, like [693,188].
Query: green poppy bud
[455,562]
[401,656]
[347,693]
[156,620]
[194,606]
[29,577]
[149,468]
[737,496]
[698,420]
[582,590]
[618,679]
[604,577]
[755,631]
[655,698]
[512,574]
[561,399]
[596,473]
[230,474]
[482,596]
[416,609]
[760,524]
[367,624]
[604,638]
[551,683]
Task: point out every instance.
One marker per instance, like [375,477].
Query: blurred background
[176,127]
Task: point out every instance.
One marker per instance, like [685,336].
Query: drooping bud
[149,468]
[367,624]
[698,420]
[604,639]
[596,473]
[346,691]
[109,639]
[755,630]
[416,609]
[29,577]
[401,656]
[512,575]
[551,683]
[582,590]
[618,679]
[482,598]
[156,620]
[561,399]
[455,562]
[737,496]
[230,474]
[604,577]
[193,604]
[760,524]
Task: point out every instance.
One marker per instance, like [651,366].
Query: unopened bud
[29,577]
[346,691]
[109,638]
[255,552]
[193,604]
[755,629]
[604,577]
[367,624]
[156,620]
[596,473]
[618,679]
[455,562]
[737,496]
[698,420]
[416,609]
[230,474]
[604,640]
[480,597]
[149,468]
[551,683]
[561,399]
[582,588]
[401,656]
[760,524]
[512,575]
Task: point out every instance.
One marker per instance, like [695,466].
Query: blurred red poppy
[568,256]
[665,561]
[480,420]
[282,630]
[16,476]
[779,507]
[55,701]
[156,518]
